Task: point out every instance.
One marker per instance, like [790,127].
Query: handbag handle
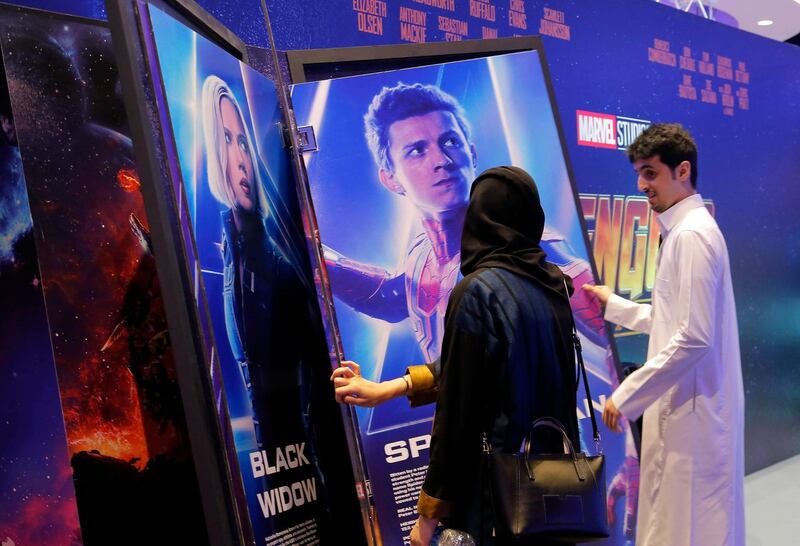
[554,424]
[582,369]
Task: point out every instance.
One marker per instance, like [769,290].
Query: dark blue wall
[244,17]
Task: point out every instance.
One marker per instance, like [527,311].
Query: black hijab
[503,228]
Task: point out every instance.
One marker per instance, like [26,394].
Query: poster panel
[127,440]
[391,235]
[37,497]
[236,186]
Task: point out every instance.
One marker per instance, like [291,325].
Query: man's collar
[677,212]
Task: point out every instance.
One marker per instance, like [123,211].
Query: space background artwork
[126,434]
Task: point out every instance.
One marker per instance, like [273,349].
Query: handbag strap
[582,369]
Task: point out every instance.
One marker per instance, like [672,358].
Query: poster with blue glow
[237,187]
[390,224]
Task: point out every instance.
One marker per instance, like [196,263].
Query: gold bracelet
[407,379]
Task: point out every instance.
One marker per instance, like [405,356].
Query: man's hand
[612,417]
[600,291]
[353,389]
[422,532]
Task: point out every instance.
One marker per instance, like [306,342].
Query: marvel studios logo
[607,131]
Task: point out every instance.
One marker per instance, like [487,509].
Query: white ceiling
[785,15]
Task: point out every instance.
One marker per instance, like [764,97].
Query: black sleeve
[469,355]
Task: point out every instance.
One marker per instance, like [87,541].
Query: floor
[772,504]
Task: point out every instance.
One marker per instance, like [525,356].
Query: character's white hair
[214,90]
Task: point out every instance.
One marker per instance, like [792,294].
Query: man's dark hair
[670,142]
[400,102]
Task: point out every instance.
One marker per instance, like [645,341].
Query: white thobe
[690,388]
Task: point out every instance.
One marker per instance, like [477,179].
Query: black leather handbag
[551,496]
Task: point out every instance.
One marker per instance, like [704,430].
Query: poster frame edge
[222,521]
[300,60]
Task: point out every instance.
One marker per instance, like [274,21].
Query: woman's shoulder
[484,289]
[478,284]
[491,280]
[496,286]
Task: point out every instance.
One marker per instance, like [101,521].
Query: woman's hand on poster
[423,530]
[352,388]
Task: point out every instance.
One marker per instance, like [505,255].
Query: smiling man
[690,388]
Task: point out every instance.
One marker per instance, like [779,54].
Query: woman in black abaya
[507,356]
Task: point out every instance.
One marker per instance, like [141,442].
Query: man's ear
[389,181]
[684,171]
